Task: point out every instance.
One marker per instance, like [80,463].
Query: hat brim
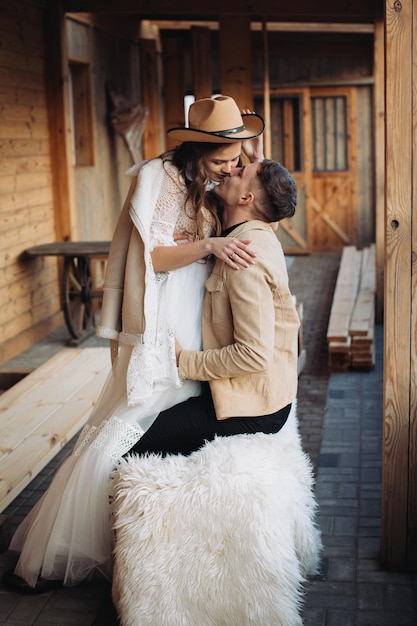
[254,126]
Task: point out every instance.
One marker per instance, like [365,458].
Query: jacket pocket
[216,303]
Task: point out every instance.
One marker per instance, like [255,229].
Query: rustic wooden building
[317,73]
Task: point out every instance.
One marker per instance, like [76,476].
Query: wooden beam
[361,11]
[379,156]
[60,123]
[201,62]
[282,27]
[236,60]
[398,540]
[150,98]
[412,496]
[174,83]
[266,94]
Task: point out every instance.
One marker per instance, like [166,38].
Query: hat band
[225,133]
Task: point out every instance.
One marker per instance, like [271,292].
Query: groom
[250,326]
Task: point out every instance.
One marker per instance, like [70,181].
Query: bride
[158,263]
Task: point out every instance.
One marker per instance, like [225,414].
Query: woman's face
[220,162]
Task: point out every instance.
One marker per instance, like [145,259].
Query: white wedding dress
[68,534]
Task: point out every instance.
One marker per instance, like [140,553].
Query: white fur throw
[224,537]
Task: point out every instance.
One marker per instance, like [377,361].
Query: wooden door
[289,137]
[313,133]
[332,194]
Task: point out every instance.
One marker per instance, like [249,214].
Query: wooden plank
[26,420]
[28,337]
[174,84]
[43,411]
[339,357]
[43,372]
[319,11]
[363,313]
[235,43]
[340,346]
[412,209]
[379,155]
[352,145]
[399,495]
[366,361]
[364,341]
[57,72]
[352,313]
[26,319]
[344,296]
[201,62]
[150,97]
[70,248]
[338,329]
[368,269]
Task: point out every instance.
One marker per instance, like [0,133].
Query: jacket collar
[236,231]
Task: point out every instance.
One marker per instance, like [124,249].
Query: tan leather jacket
[250,332]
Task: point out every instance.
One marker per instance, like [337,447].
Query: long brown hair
[189,157]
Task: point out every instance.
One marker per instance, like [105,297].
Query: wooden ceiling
[337,11]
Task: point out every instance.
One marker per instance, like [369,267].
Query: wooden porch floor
[43,411]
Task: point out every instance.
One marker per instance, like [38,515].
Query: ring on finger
[231,255]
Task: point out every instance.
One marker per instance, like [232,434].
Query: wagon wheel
[77,291]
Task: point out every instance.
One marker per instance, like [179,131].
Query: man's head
[264,191]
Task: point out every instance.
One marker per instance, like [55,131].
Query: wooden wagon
[81,292]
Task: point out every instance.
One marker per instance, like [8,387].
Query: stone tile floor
[340,424]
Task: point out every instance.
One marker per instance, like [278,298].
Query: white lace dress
[68,533]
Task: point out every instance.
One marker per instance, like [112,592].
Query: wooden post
[399,493]
[379,152]
[235,59]
[150,97]
[267,93]
[201,62]
[174,84]
[60,123]
[412,492]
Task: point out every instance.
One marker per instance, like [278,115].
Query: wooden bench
[43,411]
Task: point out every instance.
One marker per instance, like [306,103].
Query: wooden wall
[101,187]
[35,207]
[28,290]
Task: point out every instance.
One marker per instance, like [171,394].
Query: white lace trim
[153,361]
[172,214]
[113,436]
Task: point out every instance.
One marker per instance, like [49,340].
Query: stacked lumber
[362,324]
[350,333]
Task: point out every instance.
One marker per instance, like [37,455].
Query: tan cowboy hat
[218,120]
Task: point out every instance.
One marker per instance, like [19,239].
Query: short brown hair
[278,197]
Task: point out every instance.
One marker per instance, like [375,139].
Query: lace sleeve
[169,204]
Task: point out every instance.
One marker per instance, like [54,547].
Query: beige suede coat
[129,287]
[250,332]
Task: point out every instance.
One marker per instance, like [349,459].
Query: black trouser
[185,427]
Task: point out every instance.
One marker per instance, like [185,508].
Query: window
[81,113]
[286,143]
[330,141]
